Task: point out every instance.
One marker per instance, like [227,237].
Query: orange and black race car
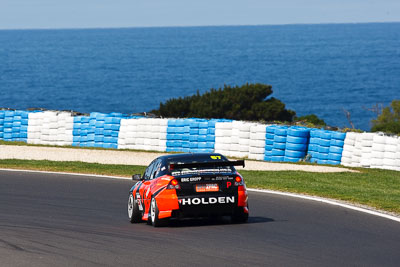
[188,185]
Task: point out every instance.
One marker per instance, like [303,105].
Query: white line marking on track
[318,199]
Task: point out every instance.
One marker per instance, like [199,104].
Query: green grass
[72,166]
[376,188]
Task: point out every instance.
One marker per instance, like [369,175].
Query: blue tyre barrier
[296,132]
[269,136]
[323,156]
[336,149]
[323,149]
[325,135]
[271,129]
[335,156]
[338,135]
[332,162]
[294,153]
[290,159]
[269,142]
[277,158]
[279,145]
[268,148]
[280,139]
[280,131]
[277,152]
[296,140]
[335,142]
[325,142]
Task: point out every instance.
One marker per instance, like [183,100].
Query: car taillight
[238,181]
[173,184]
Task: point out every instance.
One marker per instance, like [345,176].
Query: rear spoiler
[173,166]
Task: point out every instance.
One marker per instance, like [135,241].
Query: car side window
[163,169]
[148,171]
[156,170]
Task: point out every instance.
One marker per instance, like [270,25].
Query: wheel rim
[153,210]
[130,206]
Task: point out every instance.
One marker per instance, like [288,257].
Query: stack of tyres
[206,138]
[313,145]
[35,123]
[177,132]
[141,133]
[244,139]
[296,144]
[269,142]
[16,126]
[96,130]
[223,132]
[8,125]
[336,148]
[2,124]
[278,151]
[194,130]
[366,149]
[185,135]
[378,151]
[348,149]
[234,146]
[357,151]
[190,135]
[81,130]
[323,146]
[159,134]
[63,135]
[257,141]
[20,126]
[43,128]
[390,154]
[211,136]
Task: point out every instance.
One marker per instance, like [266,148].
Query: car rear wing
[215,164]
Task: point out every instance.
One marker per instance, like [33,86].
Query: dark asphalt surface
[61,220]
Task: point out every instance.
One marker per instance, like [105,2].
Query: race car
[188,185]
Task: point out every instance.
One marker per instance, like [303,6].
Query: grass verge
[376,188]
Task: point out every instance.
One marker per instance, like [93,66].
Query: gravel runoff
[134,158]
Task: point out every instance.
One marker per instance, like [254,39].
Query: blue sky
[22,14]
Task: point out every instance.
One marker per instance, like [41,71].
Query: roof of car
[188,156]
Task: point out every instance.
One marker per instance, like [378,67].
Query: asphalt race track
[61,220]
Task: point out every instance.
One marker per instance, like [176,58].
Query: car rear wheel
[240,216]
[155,221]
[133,210]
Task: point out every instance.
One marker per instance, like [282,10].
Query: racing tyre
[240,216]
[154,220]
[133,210]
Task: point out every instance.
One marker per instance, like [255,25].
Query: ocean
[314,69]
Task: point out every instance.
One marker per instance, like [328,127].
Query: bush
[389,119]
[311,119]
[248,102]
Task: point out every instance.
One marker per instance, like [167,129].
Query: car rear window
[176,171]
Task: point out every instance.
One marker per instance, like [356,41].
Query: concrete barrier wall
[239,139]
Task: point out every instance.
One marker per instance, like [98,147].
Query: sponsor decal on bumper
[206,200]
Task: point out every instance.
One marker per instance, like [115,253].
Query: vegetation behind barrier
[251,102]
[389,119]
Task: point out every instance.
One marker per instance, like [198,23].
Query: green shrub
[389,119]
[310,119]
[249,102]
